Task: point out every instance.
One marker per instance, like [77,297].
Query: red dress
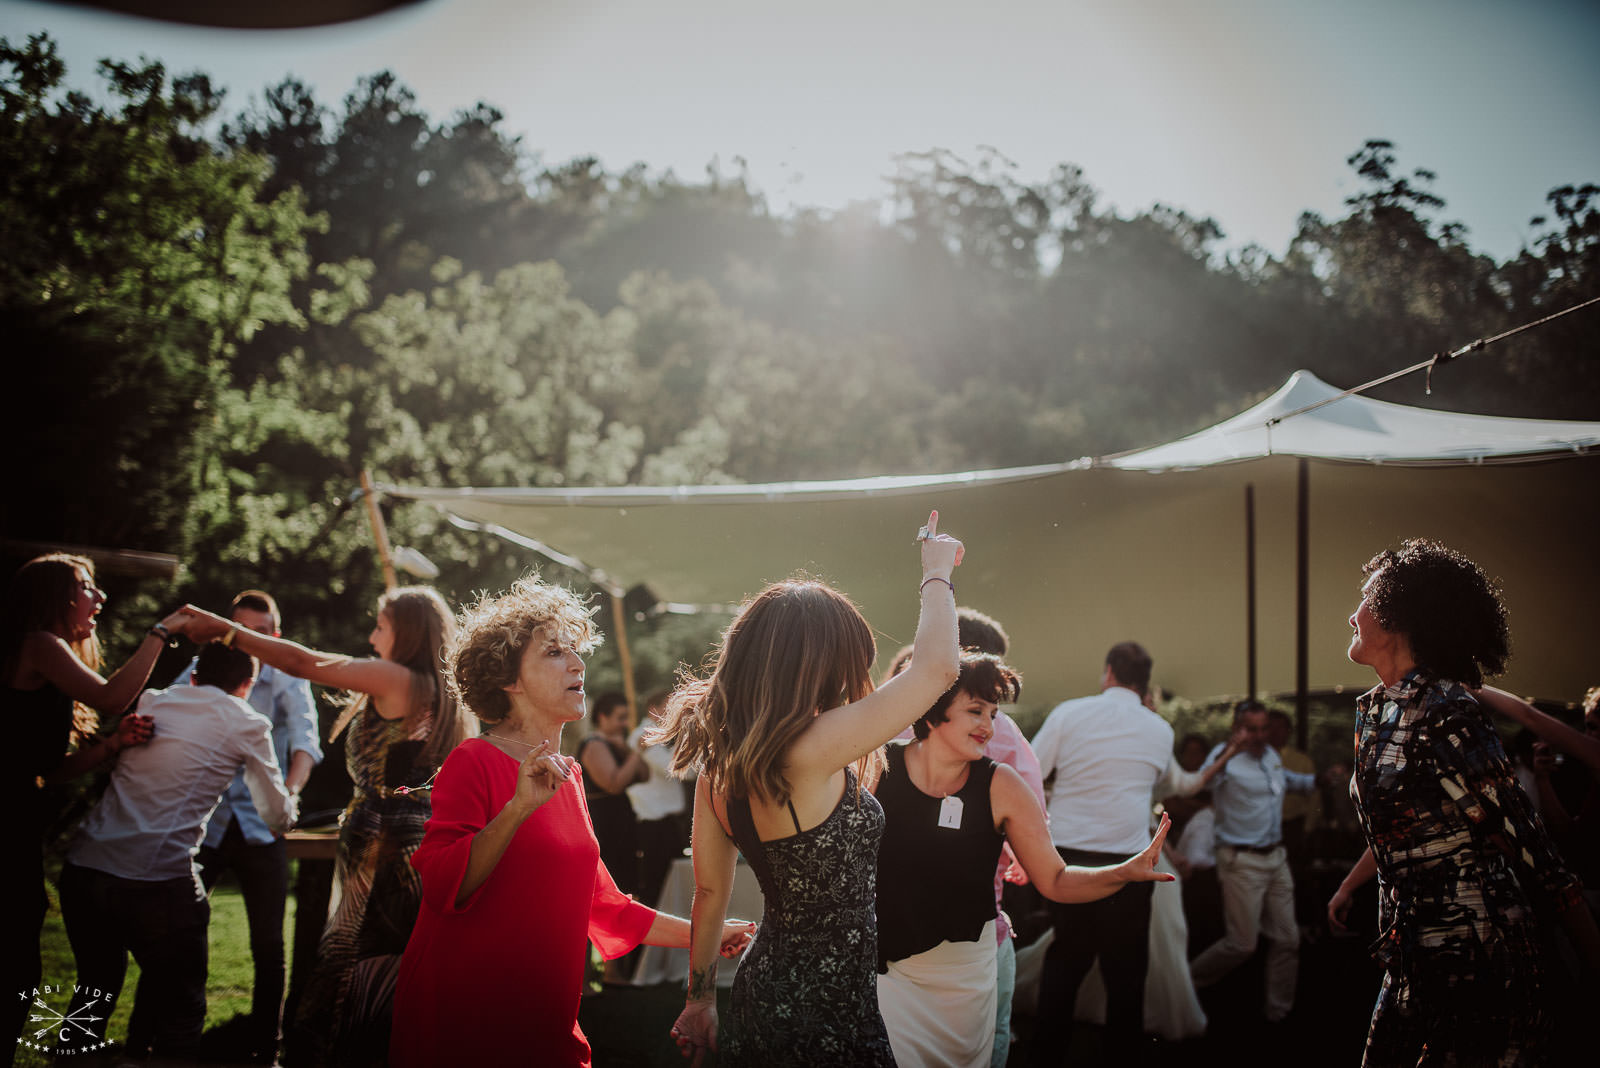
[496,981]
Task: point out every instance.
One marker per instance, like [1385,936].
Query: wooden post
[619,617]
[1302,594]
[379,534]
[1250,589]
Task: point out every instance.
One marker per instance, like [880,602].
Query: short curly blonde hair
[493,633]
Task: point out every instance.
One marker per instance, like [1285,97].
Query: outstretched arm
[714,858]
[1548,727]
[1020,819]
[386,681]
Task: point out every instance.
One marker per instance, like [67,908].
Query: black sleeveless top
[935,884]
[39,726]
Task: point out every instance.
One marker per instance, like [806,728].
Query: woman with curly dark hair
[1463,864]
[513,886]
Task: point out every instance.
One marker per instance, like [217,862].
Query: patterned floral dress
[806,992]
[1463,862]
[348,1001]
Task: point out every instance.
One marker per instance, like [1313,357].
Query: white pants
[1257,899]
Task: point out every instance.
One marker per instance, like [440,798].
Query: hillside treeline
[221,317]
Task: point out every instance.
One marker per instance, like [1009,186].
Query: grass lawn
[228,981]
[627,1026]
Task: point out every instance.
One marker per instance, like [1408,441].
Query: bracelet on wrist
[937,578]
[160,631]
[227,639]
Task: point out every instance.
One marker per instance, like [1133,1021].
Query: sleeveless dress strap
[794,817]
[748,841]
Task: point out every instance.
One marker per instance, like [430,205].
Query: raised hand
[198,625]
[539,776]
[941,554]
[1142,868]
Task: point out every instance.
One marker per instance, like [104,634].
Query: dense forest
[221,318]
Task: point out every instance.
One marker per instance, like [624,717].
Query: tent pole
[1250,588]
[619,619]
[379,534]
[1302,585]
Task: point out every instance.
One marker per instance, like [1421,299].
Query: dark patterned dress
[806,992]
[348,1001]
[1463,862]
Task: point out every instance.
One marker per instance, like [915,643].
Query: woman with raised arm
[512,877]
[787,733]
[402,720]
[1464,866]
[53,696]
[948,810]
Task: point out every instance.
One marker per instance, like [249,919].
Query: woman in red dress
[512,884]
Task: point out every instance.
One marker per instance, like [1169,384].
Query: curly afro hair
[487,652]
[1446,607]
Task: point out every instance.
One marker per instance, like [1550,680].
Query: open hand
[134,729]
[1142,868]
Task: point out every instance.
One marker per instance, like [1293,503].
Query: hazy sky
[1243,110]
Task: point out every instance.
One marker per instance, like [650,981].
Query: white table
[659,965]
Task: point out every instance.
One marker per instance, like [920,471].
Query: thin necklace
[502,738]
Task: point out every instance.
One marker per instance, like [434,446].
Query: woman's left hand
[1142,868]
[736,935]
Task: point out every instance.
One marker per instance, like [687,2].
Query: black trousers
[1114,930]
[263,874]
[163,924]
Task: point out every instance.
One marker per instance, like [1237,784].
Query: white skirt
[939,1005]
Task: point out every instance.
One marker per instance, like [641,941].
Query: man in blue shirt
[1252,865]
[237,837]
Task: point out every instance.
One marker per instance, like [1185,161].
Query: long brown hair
[799,648]
[39,597]
[423,627]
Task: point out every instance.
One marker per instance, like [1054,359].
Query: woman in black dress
[784,732]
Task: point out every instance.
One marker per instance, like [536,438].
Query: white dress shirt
[152,818]
[1107,752]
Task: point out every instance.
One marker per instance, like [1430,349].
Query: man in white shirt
[1107,753]
[129,883]
[238,839]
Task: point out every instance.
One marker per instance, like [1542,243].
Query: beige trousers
[1257,899]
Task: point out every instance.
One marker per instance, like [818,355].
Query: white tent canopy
[1073,557]
[1361,430]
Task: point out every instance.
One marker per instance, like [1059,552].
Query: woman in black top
[51,691]
[609,768]
[947,810]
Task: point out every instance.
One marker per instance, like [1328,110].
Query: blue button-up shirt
[286,701]
[1249,796]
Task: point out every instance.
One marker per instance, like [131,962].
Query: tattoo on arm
[703,983]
